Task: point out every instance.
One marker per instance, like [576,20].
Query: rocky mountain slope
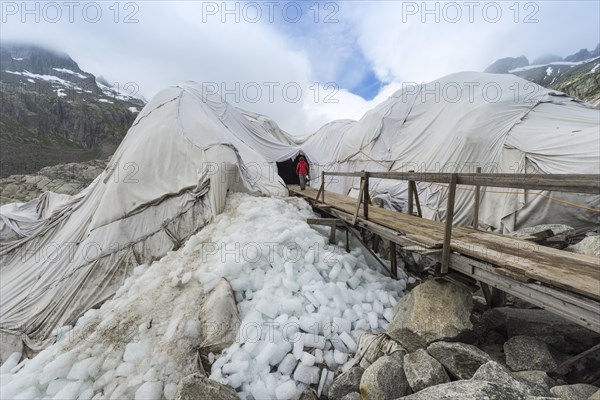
[54,112]
[577,75]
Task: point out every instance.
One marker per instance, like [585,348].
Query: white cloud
[172,43]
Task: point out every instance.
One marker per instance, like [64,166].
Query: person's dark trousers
[302,181]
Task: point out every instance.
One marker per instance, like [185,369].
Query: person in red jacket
[302,171]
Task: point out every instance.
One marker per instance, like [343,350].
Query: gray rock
[528,353]
[423,371]
[347,382]
[563,335]
[579,391]
[352,396]
[199,387]
[538,377]
[590,246]
[384,379]
[466,390]
[432,311]
[460,360]
[496,373]
[309,394]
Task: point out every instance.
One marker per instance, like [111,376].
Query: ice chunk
[298,348]
[70,391]
[137,351]
[286,391]
[79,371]
[308,375]
[318,356]
[388,314]
[286,366]
[373,320]
[307,359]
[267,308]
[149,391]
[342,325]
[322,381]
[339,356]
[314,341]
[10,363]
[348,341]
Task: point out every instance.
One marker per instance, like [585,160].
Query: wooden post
[366,197]
[417,201]
[393,260]
[448,227]
[476,200]
[347,241]
[323,186]
[410,197]
[359,200]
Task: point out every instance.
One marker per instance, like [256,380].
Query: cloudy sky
[301,63]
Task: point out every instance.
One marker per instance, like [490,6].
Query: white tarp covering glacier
[171,174]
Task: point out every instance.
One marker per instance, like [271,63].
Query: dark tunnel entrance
[287,172]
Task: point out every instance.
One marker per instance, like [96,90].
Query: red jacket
[302,168]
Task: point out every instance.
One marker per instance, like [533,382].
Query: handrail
[573,183]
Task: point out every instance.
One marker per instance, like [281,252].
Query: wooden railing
[573,183]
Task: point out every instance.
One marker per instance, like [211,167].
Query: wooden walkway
[518,260]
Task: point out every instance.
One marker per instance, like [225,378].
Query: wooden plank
[410,198]
[574,272]
[393,260]
[476,201]
[583,368]
[553,300]
[575,183]
[366,197]
[448,226]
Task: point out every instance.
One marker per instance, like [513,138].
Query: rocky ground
[68,178]
[445,343]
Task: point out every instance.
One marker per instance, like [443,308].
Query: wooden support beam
[331,222]
[417,201]
[359,200]
[448,226]
[393,260]
[410,198]
[575,183]
[476,201]
[366,196]
[581,368]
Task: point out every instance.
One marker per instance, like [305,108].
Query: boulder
[595,396]
[423,371]
[352,396]
[384,379]
[496,373]
[460,360]
[432,311]
[466,390]
[540,378]
[579,391]
[528,353]
[199,387]
[564,336]
[309,394]
[590,246]
[347,382]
